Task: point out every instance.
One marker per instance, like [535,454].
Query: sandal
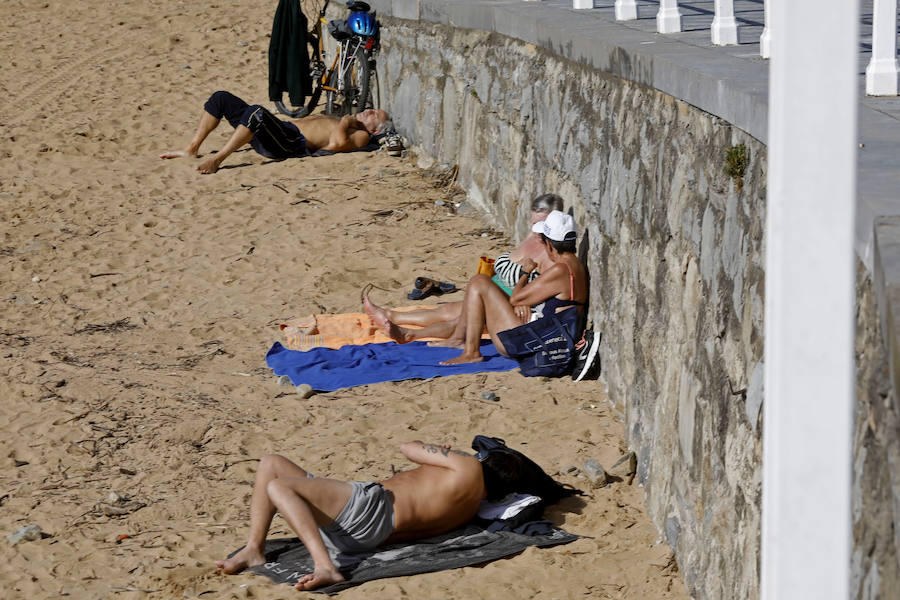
[425,286]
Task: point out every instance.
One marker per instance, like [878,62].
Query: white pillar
[809,306]
[724,27]
[579,4]
[668,19]
[626,10]
[881,74]
[765,40]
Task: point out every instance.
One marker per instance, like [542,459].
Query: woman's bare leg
[485,305]
[204,128]
[425,317]
[439,322]
[420,318]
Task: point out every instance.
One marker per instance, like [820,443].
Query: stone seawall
[674,248]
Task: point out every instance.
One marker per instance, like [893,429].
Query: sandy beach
[138,300]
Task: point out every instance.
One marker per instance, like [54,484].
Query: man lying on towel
[274,138]
[441,494]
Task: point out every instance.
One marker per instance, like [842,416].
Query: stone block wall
[674,251]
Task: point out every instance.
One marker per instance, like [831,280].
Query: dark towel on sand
[463,547]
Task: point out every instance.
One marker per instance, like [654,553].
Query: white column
[668,19]
[579,4]
[881,74]
[765,40]
[809,307]
[724,27]
[626,10]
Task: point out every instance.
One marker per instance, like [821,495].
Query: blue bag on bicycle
[543,348]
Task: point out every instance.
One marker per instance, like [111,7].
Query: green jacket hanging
[288,54]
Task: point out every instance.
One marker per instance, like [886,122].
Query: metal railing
[882,72]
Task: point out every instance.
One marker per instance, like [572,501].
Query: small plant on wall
[736,160]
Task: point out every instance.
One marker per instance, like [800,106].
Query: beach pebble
[439,203]
[29,533]
[570,470]
[304,390]
[625,467]
[484,235]
[35,279]
[243,44]
[282,380]
[490,396]
[35,246]
[595,473]
[114,498]
[464,208]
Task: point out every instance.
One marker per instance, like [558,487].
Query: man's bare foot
[464,358]
[178,154]
[208,167]
[318,578]
[382,320]
[246,557]
[448,343]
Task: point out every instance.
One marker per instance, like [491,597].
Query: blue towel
[327,370]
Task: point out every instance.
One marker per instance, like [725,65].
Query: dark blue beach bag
[543,348]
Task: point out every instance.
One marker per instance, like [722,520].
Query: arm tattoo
[435,449]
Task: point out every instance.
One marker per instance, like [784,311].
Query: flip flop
[425,286]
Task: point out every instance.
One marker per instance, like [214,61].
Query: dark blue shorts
[272,137]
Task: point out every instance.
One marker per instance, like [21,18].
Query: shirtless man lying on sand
[438,496]
[274,138]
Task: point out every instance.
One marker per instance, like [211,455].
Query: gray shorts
[364,523]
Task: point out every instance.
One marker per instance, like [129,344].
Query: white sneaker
[393,143]
[586,354]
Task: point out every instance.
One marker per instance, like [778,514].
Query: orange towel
[334,331]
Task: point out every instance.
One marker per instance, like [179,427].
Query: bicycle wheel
[366,74]
[374,89]
[303,110]
[331,95]
[357,87]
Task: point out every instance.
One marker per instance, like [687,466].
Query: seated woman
[441,322]
[543,346]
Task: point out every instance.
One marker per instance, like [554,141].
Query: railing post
[810,292]
[668,19]
[881,74]
[724,27]
[765,40]
[626,10]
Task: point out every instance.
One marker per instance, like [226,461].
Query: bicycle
[351,82]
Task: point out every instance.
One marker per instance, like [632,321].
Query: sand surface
[138,299]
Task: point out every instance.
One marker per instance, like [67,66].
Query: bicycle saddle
[358,6]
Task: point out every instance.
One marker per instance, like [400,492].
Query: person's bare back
[438,496]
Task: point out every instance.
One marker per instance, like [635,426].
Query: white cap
[558,226]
